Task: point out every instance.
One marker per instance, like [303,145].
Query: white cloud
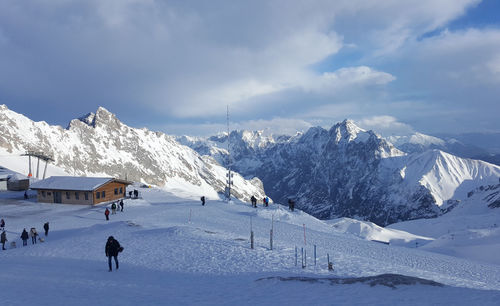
[385,125]
[190,59]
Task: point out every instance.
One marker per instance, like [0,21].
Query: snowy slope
[178,252]
[371,231]
[100,145]
[471,229]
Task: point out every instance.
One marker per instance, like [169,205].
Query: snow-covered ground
[178,252]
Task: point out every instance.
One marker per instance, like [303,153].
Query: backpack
[113,206]
[120,249]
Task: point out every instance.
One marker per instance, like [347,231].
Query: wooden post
[251,240]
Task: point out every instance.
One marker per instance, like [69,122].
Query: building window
[49,193]
[98,195]
[77,196]
[67,195]
[43,193]
[103,194]
[116,190]
[121,190]
[86,196]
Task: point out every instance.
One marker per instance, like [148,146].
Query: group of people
[33,234]
[114,206]
[135,192]
[265,201]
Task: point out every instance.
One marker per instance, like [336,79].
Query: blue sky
[392,66]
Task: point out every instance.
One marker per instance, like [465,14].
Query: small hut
[79,190]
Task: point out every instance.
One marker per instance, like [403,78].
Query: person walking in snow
[3,239]
[2,224]
[291,204]
[266,199]
[24,237]
[33,235]
[202,201]
[121,205]
[136,193]
[106,213]
[113,208]
[112,249]
[254,201]
[46,228]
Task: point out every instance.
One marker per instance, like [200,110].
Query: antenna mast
[229,174]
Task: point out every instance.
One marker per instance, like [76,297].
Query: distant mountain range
[343,171]
[98,144]
[349,172]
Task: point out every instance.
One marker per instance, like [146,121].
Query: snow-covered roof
[72,183]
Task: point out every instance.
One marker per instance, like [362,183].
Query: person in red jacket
[106,213]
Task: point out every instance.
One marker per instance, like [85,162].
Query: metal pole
[37,166]
[271,240]
[305,243]
[295,256]
[302,256]
[251,240]
[314,255]
[29,160]
[45,169]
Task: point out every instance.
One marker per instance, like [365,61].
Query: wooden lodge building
[79,190]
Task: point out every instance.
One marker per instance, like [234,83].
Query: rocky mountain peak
[347,131]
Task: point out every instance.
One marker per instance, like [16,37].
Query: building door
[57,196]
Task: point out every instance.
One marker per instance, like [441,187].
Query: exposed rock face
[99,144]
[350,172]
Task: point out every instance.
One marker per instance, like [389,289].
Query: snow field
[179,252]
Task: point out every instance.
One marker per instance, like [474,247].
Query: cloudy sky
[393,66]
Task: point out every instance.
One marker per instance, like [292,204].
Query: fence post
[314,255]
[295,255]
[271,240]
[305,243]
[251,239]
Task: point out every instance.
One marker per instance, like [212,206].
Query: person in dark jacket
[2,224]
[112,249]
[121,205]
[46,228]
[254,201]
[3,239]
[24,237]
[202,200]
[106,213]
[291,204]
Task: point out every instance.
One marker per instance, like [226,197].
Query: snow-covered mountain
[349,172]
[99,144]
[418,142]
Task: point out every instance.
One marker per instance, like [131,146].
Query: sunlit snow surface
[178,252]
